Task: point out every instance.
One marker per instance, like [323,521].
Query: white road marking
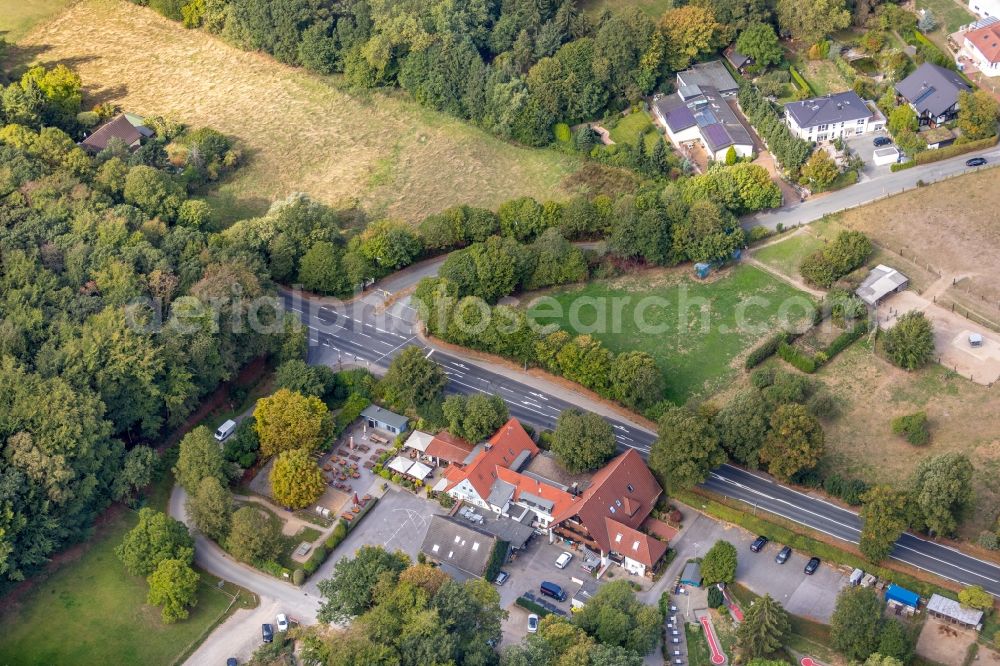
[429,353]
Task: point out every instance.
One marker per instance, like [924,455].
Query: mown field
[18,17]
[301,132]
[695,330]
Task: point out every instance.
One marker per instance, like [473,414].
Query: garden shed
[881,282]
[691,574]
[383,419]
[950,610]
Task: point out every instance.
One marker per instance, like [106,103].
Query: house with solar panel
[932,92]
[699,113]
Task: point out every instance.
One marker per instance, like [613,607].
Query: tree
[927,22]
[389,245]
[350,589]
[760,42]
[152,191]
[156,537]
[902,119]
[474,418]
[719,563]
[795,441]
[636,380]
[253,536]
[942,488]
[582,441]
[210,508]
[320,270]
[856,621]
[812,21]
[297,376]
[413,380]
[688,32]
[614,616]
[296,479]
[137,472]
[288,420]
[687,448]
[913,427]
[884,513]
[976,597]
[878,660]
[820,170]
[742,426]
[896,641]
[199,456]
[174,586]
[978,113]
[764,629]
[910,342]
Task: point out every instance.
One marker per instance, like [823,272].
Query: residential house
[982,47]
[826,118]
[932,92]
[384,420]
[607,517]
[712,74]
[118,127]
[462,550]
[699,114]
[985,8]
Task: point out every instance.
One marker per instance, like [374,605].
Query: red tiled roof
[624,490]
[634,544]
[561,500]
[501,450]
[120,128]
[447,446]
[987,41]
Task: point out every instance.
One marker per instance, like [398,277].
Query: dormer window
[618,502]
[630,488]
[612,509]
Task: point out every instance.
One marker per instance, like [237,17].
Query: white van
[225,430]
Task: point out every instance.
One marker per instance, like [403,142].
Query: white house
[699,113]
[982,47]
[841,115]
[984,8]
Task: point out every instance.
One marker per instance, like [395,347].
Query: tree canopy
[155,538]
[296,479]
[764,628]
[760,42]
[942,489]
[719,563]
[687,448]
[287,420]
[174,586]
[909,343]
[884,513]
[614,616]
[413,381]
[582,441]
[199,457]
[351,588]
[794,442]
[856,621]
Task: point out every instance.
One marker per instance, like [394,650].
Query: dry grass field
[301,132]
[18,17]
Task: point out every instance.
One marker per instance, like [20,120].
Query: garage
[887,155]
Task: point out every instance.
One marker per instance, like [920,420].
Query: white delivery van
[225,430]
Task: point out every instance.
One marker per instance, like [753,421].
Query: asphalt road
[815,208]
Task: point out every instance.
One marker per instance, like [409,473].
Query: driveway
[863,146]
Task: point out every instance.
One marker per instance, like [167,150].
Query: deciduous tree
[582,441]
[350,589]
[288,420]
[174,586]
[476,417]
[742,426]
[794,442]
[910,342]
[812,21]
[856,620]
[296,479]
[156,537]
[136,473]
[199,456]
[820,170]
[614,616]
[942,488]
[253,536]
[976,597]
[320,269]
[978,114]
[687,448]
[210,508]
[413,380]
[760,42]
[636,380]
[884,514]
[719,564]
[688,32]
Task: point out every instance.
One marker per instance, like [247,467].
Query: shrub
[989,540]
[954,149]
[310,566]
[796,358]
[823,406]
[759,233]
[715,598]
[799,80]
[846,339]
[766,349]
[532,607]
[913,428]
[762,377]
[849,490]
[298,577]
[563,133]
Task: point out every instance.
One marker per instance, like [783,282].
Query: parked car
[552,590]
[282,622]
[563,559]
[783,555]
[225,430]
[532,623]
[811,566]
[758,544]
[232,662]
[976,161]
[501,578]
[267,632]
[880,141]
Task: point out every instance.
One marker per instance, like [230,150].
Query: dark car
[811,566]
[267,632]
[880,141]
[783,555]
[232,661]
[976,161]
[758,544]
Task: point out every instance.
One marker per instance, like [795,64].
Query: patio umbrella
[356,502]
[352,442]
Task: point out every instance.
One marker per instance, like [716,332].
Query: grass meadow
[18,17]
[697,330]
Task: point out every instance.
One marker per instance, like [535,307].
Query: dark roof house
[711,74]
[117,128]
[737,59]
[703,106]
[933,91]
[838,108]
[463,551]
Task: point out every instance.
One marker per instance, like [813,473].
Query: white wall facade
[982,64]
[983,8]
[464,491]
[831,131]
[742,150]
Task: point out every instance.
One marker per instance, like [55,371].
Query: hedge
[800,82]
[532,607]
[928,156]
[497,559]
[766,349]
[846,339]
[796,358]
[899,166]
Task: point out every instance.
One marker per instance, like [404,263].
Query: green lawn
[949,14]
[18,17]
[631,126]
[822,75]
[693,329]
[697,646]
[785,256]
[92,612]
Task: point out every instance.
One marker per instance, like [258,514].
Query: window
[618,502]
[618,538]
[823,128]
[435,548]
[861,122]
[630,488]
[821,137]
[612,509]
[635,546]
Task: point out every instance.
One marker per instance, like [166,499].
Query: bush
[848,251]
[497,559]
[715,598]
[988,540]
[796,358]
[761,378]
[849,490]
[913,427]
[563,133]
[759,233]
[532,607]
[766,349]
[823,406]
[846,339]
[298,577]
[800,81]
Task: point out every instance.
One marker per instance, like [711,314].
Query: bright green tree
[614,616]
[200,456]
[350,590]
[978,114]
[812,21]
[287,420]
[253,536]
[976,597]
[719,563]
[902,119]
[210,508]
[174,586]
[910,342]
[820,170]
[687,448]
[856,621]
[413,380]
[760,42]
[884,513]
[156,537]
[296,479]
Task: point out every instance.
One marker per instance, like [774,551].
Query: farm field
[18,17]
[90,611]
[300,132]
[697,330]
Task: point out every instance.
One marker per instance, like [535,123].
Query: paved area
[238,637]
[863,146]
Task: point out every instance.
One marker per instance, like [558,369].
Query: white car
[532,623]
[563,560]
[282,622]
